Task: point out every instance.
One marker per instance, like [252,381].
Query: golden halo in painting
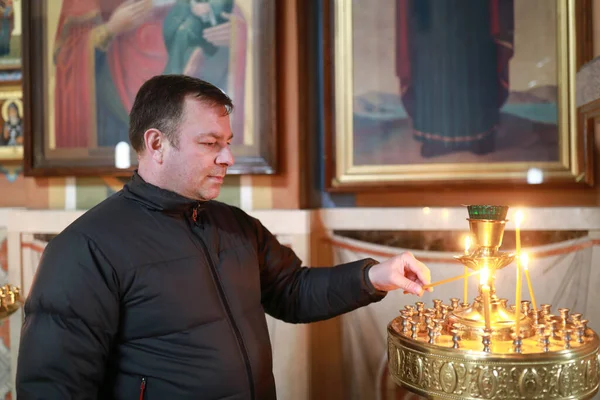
[7,103]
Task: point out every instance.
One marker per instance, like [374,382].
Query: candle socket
[546,342]
[525,307]
[420,308]
[455,338]
[566,334]
[564,316]
[518,344]
[406,319]
[584,322]
[454,303]
[486,341]
[546,309]
[431,334]
[414,327]
[580,334]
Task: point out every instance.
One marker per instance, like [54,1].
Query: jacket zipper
[236,330]
[142,388]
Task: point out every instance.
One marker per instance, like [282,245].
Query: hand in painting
[401,272]
[128,15]
[194,64]
[220,35]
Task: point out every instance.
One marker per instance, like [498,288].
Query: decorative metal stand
[479,351]
[10,300]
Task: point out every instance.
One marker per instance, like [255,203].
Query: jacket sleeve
[298,294]
[71,319]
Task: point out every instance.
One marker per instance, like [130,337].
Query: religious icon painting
[97,53]
[433,92]
[10,34]
[11,124]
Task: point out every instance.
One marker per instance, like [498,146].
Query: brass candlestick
[10,300]
[466,357]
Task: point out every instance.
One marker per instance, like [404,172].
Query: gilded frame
[572,168]
[256,155]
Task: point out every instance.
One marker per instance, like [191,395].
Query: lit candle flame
[485,275]
[518,218]
[524,260]
[467,244]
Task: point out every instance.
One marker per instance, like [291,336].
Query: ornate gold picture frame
[80,80]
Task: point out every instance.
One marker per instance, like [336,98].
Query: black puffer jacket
[152,292]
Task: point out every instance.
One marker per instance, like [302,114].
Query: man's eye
[209,143]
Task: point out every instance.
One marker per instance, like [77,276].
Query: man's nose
[225,157]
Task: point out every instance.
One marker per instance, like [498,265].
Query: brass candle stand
[10,300]
[475,351]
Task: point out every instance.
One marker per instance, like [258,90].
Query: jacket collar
[156,198]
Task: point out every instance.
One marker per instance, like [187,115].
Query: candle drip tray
[470,320]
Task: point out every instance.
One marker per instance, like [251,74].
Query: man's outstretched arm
[295,293]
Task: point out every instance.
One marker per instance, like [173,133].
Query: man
[160,292]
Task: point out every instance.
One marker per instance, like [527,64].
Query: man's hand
[401,272]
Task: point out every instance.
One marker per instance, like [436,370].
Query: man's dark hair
[159,104]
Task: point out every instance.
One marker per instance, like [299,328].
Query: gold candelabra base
[440,371]
[487,349]
[10,300]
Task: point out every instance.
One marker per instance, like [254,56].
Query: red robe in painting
[133,57]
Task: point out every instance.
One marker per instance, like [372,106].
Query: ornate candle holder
[10,300]
[459,356]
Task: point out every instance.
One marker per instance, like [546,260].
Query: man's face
[197,167]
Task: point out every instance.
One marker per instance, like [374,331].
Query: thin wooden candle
[455,278]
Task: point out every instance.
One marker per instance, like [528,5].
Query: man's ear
[155,142]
